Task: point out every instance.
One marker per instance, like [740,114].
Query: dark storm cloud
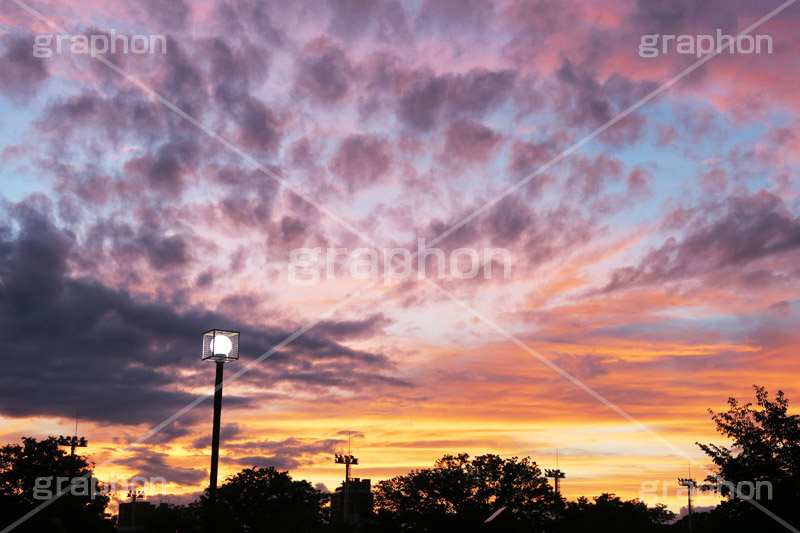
[227,433]
[584,366]
[387,20]
[165,252]
[746,228]
[183,81]
[533,235]
[527,156]
[279,461]
[453,96]
[590,176]
[325,72]
[354,329]
[200,77]
[234,71]
[245,17]
[164,170]
[584,101]
[321,378]
[291,229]
[259,126]
[456,16]
[171,15]
[507,223]
[420,106]
[22,73]
[479,91]
[284,454]
[350,17]
[149,241]
[361,160]
[351,434]
[148,463]
[470,141]
[126,114]
[536,16]
[681,16]
[76,344]
[169,433]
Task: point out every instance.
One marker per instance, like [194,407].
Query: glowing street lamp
[220,346]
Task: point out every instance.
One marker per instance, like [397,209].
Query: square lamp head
[220,345]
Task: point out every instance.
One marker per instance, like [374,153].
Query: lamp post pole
[212,484]
[220,346]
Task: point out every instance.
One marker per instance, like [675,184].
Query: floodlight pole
[690,484]
[134,494]
[220,346]
[556,474]
[347,493]
[72,442]
[212,485]
[346,460]
[133,512]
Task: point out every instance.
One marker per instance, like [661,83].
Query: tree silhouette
[607,513]
[21,465]
[766,450]
[263,499]
[459,494]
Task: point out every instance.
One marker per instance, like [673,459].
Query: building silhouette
[145,516]
[360,501]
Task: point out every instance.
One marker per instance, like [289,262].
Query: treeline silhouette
[457,493]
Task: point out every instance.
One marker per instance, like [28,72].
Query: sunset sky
[148,198]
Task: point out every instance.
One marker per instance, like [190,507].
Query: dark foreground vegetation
[457,494]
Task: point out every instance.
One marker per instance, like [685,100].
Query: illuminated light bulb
[222,345]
